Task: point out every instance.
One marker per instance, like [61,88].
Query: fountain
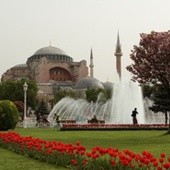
[126,96]
[151,117]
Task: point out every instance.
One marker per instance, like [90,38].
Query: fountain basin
[96,126]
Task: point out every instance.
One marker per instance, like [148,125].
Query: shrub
[9,115]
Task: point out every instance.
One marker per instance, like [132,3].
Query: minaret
[118,54]
[91,64]
[50,43]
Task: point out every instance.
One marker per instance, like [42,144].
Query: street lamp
[25,87]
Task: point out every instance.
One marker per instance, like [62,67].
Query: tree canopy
[161,101]
[42,108]
[13,91]
[93,94]
[61,93]
[148,90]
[152,59]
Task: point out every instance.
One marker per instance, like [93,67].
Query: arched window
[59,74]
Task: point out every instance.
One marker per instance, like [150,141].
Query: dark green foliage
[60,93]
[9,115]
[13,91]
[148,90]
[42,108]
[93,94]
[161,101]
[108,93]
[32,94]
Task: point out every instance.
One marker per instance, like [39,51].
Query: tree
[93,94]
[13,91]
[60,93]
[161,102]
[108,93]
[20,107]
[159,96]
[152,60]
[147,91]
[42,108]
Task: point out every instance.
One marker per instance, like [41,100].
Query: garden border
[65,127]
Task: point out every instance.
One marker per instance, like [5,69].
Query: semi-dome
[50,50]
[108,85]
[20,66]
[89,83]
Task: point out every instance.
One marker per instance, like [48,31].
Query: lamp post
[25,87]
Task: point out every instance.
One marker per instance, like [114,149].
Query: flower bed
[114,126]
[76,156]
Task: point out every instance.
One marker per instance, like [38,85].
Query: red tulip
[169,159]
[74,162]
[161,160]
[113,163]
[166,165]
[159,168]
[162,155]
[155,163]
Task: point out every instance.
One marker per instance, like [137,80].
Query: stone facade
[51,68]
[48,63]
[44,70]
[15,73]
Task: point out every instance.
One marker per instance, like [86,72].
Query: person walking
[134,113]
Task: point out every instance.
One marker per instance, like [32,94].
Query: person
[94,119]
[38,119]
[57,119]
[134,113]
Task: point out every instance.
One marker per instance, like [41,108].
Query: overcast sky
[77,25]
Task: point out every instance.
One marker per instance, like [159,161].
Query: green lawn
[12,161]
[154,141]
[137,141]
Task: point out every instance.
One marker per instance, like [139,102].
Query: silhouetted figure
[134,113]
[38,119]
[57,119]
[94,119]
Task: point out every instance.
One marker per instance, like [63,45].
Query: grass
[153,141]
[137,141]
[12,161]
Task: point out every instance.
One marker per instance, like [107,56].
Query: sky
[76,26]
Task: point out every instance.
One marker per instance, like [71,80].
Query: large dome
[89,83]
[50,50]
[51,53]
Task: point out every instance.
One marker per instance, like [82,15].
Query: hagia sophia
[52,68]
